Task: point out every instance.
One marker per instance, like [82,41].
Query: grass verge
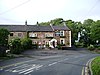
[95,65]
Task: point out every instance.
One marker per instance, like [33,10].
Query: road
[67,62]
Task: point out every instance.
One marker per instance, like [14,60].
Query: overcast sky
[18,11]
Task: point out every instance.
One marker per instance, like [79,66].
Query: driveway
[47,62]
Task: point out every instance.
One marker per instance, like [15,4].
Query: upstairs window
[32,35]
[11,34]
[48,34]
[59,33]
[19,34]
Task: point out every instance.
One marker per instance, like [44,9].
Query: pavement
[47,62]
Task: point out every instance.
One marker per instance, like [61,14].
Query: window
[32,35]
[11,34]
[34,42]
[19,34]
[49,35]
[62,41]
[59,33]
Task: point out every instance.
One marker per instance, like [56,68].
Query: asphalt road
[67,62]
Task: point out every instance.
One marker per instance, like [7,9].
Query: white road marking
[29,72]
[33,67]
[53,63]
[24,65]
[25,68]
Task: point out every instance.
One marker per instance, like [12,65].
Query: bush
[59,46]
[26,43]
[98,48]
[35,46]
[79,44]
[2,51]
[15,46]
[91,47]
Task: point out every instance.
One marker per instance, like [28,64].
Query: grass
[96,66]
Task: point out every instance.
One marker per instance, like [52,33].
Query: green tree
[95,32]
[3,41]
[15,46]
[4,37]
[57,21]
[87,24]
[26,43]
[75,28]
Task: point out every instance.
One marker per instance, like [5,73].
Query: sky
[18,11]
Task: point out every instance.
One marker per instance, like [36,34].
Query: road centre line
[57,62]
[53,63]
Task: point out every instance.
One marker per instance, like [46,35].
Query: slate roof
[60,28]
[35,28]
[23,28]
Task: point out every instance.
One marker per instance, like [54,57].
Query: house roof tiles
[35,28]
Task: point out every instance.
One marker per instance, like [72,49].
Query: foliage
[15,46]
[3,41]
[98,48]
[96,66]
[57,21]
[89,30]
[91,47]
[95,31]
[2,51]
[4,37]
[26,43]
[79,44]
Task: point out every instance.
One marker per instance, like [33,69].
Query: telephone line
[14,7]
[90,10]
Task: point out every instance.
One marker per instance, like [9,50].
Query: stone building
[42,35]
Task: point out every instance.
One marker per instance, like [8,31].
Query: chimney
[37,23]
[26,23]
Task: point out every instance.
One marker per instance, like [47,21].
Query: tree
[3,41]
[87,24]
[56,21]
[4,37]
[15,46]
[75,28]
[95,31]
[26,43]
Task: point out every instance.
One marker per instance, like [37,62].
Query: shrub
[91,47]
[3,41]
[26,43]
[59,46]
[2,51]
[98,48]
[79,44]
[15,46]
[35,46]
